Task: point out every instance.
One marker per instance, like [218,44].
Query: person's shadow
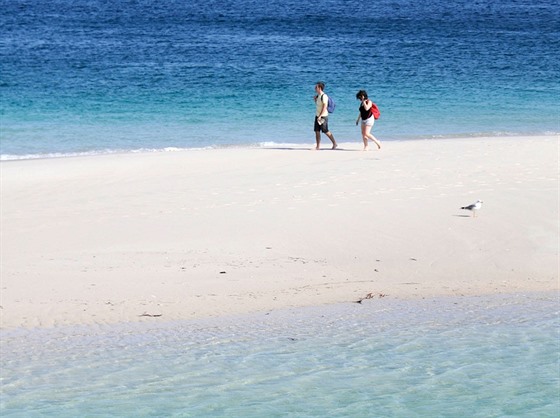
[310,149]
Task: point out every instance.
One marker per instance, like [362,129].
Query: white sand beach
[203,233]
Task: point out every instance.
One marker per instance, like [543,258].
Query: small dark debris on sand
[371,296]
[151,315]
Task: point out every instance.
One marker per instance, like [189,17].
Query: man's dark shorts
[323,127]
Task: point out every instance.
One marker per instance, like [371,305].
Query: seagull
[473,207]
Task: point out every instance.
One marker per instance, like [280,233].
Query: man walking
[322,116]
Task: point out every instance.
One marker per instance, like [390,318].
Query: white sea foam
[263,144]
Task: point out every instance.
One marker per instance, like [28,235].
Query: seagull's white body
[473,207]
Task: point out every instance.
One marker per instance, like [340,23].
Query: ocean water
[94,76]
[486,356]
[97,76]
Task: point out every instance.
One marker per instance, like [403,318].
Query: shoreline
[178,235]
[346,145]
[427,310]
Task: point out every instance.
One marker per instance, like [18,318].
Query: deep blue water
[89,76]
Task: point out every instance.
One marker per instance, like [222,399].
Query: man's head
[320,86]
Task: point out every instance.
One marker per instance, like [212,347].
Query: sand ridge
[189,234]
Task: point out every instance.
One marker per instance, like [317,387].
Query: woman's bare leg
[365,137]
[370,136]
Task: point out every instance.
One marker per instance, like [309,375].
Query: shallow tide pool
[486,356]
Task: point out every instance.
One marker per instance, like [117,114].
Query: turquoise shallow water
[487,356]
[93,76]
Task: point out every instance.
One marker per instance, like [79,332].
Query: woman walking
[366,115]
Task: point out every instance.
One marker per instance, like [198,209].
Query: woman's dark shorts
[324,126]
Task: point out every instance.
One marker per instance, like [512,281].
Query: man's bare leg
[331,137]
[318,139]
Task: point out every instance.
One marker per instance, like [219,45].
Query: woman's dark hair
[362,94]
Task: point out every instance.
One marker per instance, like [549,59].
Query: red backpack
[375,111]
